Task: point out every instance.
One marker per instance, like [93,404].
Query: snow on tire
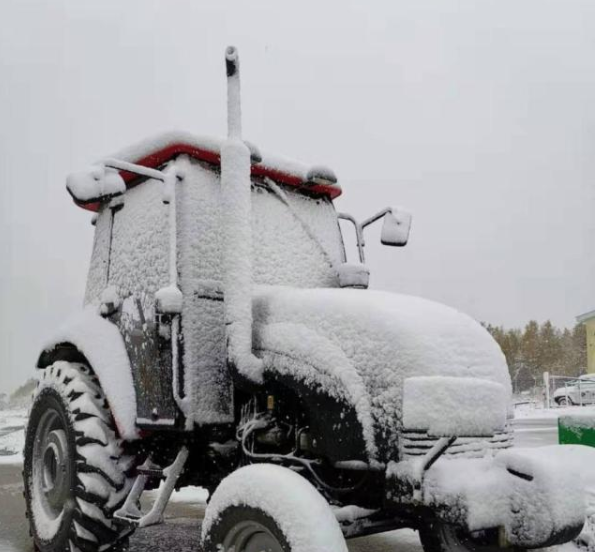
[268,507]
[75,472]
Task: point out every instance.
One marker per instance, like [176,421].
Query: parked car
[576,391]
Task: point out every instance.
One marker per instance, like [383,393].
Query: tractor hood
[367,342]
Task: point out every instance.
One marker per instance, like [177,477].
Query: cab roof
[156,151]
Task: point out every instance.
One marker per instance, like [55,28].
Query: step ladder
[130,512]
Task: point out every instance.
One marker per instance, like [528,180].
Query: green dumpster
[577,429]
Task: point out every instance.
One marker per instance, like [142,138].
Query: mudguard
[100,343]
[294,352]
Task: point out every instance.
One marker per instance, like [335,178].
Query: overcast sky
[477,115]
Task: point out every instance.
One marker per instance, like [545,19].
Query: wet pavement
[180,532]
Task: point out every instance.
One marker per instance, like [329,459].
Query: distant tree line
[541,348]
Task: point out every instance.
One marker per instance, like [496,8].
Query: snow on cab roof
[157,150]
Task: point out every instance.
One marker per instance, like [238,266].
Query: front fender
[295,351]
[101,345]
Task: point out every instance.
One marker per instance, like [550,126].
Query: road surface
[180,532]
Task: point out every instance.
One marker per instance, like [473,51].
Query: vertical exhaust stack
[237,235]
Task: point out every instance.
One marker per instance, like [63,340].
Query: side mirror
[396,227]
[96,184]
[395,230]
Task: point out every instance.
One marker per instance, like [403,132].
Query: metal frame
[130,512]
[423,464]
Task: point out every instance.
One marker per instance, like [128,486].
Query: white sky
[478,115]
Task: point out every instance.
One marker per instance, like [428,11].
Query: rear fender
[87,337]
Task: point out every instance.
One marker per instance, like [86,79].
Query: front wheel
[245,529]
[563,401]
[439,536]
[263,507]
[75,472]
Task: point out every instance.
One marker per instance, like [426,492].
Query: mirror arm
[360,226]
[375,217]
[135,169]
[168,177]
[359,233]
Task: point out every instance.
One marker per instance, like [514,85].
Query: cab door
[137,267]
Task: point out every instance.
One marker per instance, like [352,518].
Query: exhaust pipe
[237,235]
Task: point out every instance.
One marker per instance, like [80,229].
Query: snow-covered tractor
[227,343]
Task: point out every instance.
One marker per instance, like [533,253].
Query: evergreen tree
[550,348]
[518,368]
[568,353]
[531,348]
[578,356]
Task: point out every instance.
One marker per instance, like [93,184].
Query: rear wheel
[563,401]
[75,472]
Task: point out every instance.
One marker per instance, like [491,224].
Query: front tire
[75,472]
[246,529]
[438,536]
[264,507]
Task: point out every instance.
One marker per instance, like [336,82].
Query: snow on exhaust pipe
[237,234]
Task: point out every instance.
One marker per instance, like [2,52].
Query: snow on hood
[385,338]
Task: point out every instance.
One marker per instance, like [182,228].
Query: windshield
[296,238]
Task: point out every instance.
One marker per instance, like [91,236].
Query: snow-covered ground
[12,436]
[533,427]
[531,411]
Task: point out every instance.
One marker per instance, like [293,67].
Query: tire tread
[88,408]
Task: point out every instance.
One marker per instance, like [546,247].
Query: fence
[528,389]
[552,391]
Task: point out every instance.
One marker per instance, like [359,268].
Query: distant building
[588,319]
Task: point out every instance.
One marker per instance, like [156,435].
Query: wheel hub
[251,536]
[51,474]
[55,483]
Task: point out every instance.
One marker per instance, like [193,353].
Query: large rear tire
[75,471]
